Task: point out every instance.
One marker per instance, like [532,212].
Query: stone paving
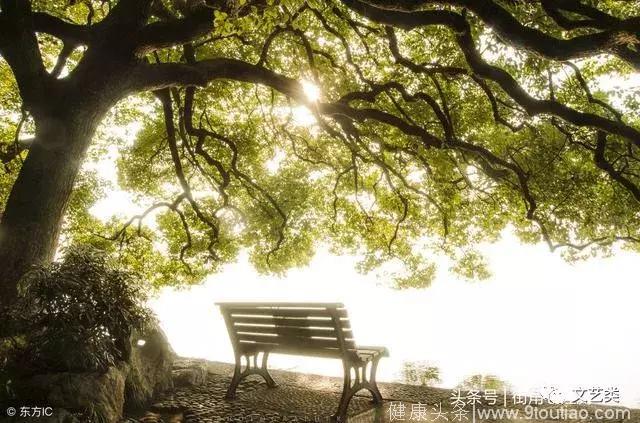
[298,398]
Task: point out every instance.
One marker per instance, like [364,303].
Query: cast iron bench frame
[307,329]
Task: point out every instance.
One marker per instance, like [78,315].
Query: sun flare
[311,90]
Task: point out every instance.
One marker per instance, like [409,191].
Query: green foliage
[420,373]
[483,383]
[74,315]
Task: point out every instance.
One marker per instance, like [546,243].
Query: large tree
[387,127]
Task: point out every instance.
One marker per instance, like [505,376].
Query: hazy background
[538,322]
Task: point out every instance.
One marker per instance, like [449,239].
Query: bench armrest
[382,350]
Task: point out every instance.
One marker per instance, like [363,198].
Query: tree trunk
[35,208]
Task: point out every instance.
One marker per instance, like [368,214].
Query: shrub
[75,315]
[420,373]
[484,383]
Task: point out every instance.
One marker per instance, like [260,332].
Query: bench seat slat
[284,349]
[289,330]
[311,352]
[278,305]
[292,341]
[283,312]
[301,322]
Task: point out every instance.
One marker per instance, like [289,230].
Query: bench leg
[235,380]
[350,386]
[251,368]
[372,385]
[264,372]
[345,398]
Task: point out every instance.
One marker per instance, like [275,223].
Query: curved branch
[174,32]
[517,34]
[602,163]
[69,33]
[19,47]
[165,98]
[462,29]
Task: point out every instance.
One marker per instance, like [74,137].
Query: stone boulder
[102,397]
[99,396]
[62,416]
[149,366]
[189,373]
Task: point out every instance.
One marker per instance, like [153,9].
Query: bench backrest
[314,329]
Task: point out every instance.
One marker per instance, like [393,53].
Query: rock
[129,385]
[100,396]
[61,416]
[149,368]
[190,372]
[190,376]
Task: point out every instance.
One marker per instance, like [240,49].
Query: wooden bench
[307,329]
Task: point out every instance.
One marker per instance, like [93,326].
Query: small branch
[602,163]
[67,49]
[165,99]
[590,97]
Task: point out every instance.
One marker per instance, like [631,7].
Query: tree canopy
[395,129]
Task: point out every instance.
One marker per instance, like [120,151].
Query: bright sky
[538,322]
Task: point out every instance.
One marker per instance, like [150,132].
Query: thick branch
[19,47]
[174,32]
[161,75]
[67,32]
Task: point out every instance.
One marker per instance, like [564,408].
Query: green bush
[74,315]
[483,383]
[420,373]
